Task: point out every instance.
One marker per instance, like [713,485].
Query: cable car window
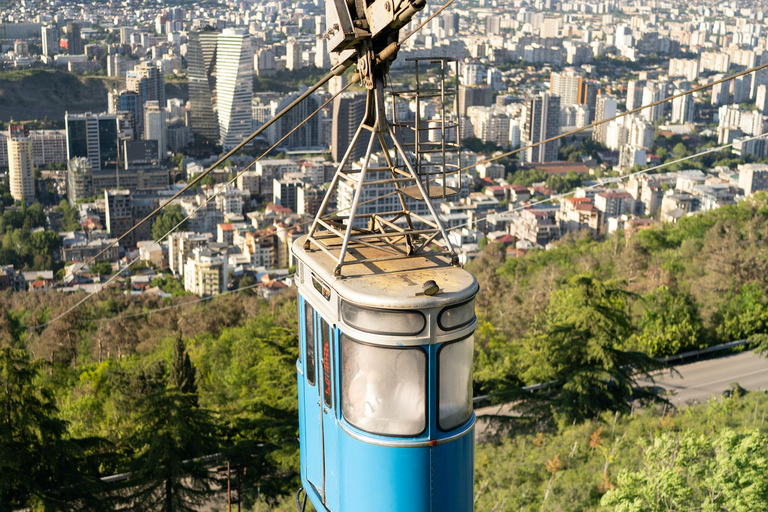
[309,337]
[383,390]
[320,287]
[454,375]
[380,321]
[457,316]
[326,348]
[299,308]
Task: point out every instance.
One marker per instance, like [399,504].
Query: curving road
[693,383]
[701,380]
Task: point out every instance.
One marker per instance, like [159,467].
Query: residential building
[309,137]
[541,117]
[206,273]
[567,85]
[155,127]
[119,215]
[635,94]
[74,39]
[753,178]
[50,37]
[180,247]
[490,124]
[605,108]
[348,113]
[20,165]
[285,193]
[537,226]
[683,108]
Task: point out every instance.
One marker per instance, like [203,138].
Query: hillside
[684,287]
[41,93]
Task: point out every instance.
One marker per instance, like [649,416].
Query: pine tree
[182,372]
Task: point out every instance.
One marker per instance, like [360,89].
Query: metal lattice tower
[419,161]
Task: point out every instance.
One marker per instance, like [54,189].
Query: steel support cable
[618,116]
[466,224]
[616,180]
[205,202]
[231,152]
[338,70]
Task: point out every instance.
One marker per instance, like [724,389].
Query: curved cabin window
[383,321]
[383,390]
[454,317]
[309,341]
[454,395]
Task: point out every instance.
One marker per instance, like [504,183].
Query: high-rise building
[322,58]
[683,108]
[74,39]
[541,117]
[652,92]
[94,136]
[234,87]
[147,80]
[309,135]
[119,214]
[588,97]
[348,113]
[155,127]
[567,85]
[635,93]
[20,165]
[293,56]
[127,102]
[50,36]
[201,56]
[605,108]
[761,99]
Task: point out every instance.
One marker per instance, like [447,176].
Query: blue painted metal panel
[313,423]
[330,432]
[382,479]
[453,474]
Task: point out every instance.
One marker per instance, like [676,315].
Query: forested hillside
[686,286]
[111,389]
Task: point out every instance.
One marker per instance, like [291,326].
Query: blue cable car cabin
[385,383]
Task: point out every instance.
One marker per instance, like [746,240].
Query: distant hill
[41,93]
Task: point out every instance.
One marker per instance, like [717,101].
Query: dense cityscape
[109,110]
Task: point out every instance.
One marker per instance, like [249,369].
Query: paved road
[701,380]
[696,382]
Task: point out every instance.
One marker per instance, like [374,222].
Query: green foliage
[566,183]
[182,372]
[172,437]
[23,248]
[169,219]
[170,285]
[646,461]
[688,471]
[103,268]
[528,177]
[580,351]
[69,221]
[41,467]
[670,323]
